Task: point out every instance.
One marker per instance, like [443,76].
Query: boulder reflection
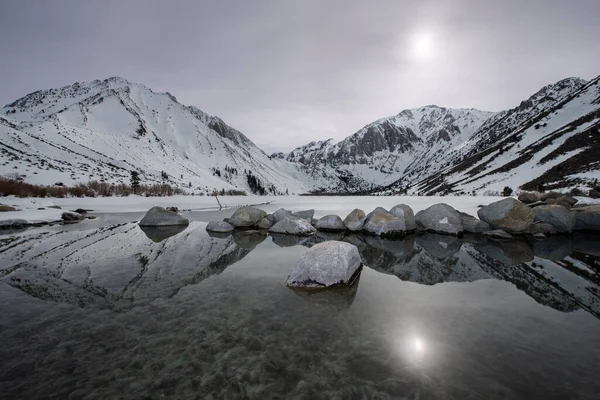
[159,233]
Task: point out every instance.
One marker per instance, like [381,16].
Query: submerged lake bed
[105,309]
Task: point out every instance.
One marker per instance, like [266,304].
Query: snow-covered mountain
[102,130]
[549,141]
[384,150]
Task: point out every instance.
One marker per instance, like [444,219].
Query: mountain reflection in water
[180,313]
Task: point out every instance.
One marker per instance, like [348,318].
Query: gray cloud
[287,72]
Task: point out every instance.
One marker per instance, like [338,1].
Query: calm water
[116,312]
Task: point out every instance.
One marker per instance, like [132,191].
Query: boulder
[543,228]
[405,212]
[271,219]
[326,264]
[247,216]
[474,225]
[4,208]
[567,198]
[559,202]
[377,210]
[441,218]
[174,209]
[281,214]
[539,236]
[219,227]
[293,226]
[498,234]
[587,218]
[537,203]
[550,195]
[306,215]
[508,214]
[559,217]
[594,194]
[70,216]
[158,216]
[82,211]
[384,224]
[355,220]
[330,223]
[529,197]
[264,223]
[56,207]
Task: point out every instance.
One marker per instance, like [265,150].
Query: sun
[423,47]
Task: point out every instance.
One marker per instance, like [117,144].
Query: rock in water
[384,225]
[71,216]
[281,214]
[529,197]
[355,220]
[508,214]
[306,215]
[330,223]
[405,212]
[158,216]
[587,218]
[326,264]
[559,217]
[293,226]
[441,218]
[498,234]
[474,225]
[264,223]
[247,216]
[219,227]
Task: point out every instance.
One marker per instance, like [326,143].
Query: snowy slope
[550,141]
[102,130]
[384,150]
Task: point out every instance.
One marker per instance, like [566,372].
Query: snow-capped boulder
[326,264]
[306,214]
[331,223]
[281,214]
[474,225]
[558,216]
[247,216]
[384,224]
[441,218]
[264,223]
[404,211]
[355,220]
[293,226]
[529,197]
[508,214]
[219,227]
[158,216]
[587,218]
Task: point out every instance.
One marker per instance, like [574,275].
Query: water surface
[117,312]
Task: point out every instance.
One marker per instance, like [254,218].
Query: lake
[113,311]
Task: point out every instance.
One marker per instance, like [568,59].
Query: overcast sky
[288,72]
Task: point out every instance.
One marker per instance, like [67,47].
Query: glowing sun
[423,47]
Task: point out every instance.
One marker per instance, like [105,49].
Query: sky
[289,72]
